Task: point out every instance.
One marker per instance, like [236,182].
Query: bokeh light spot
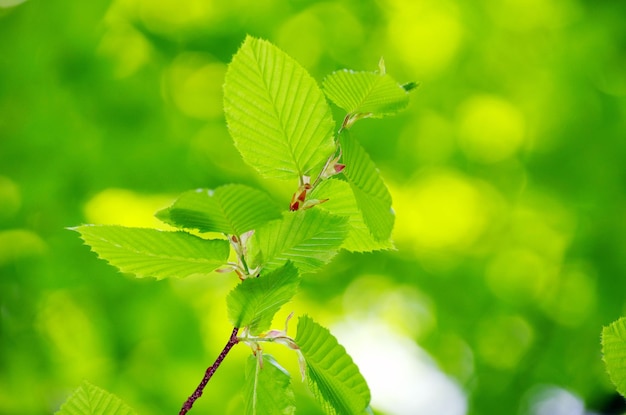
[426,34]
[78,345]
[10,198]
[301,38]
[429,139]
[526,15]
[126,47]
[409,311]
[169,16]
[490,129]
[551,400]
[195,82]
[542,223]
[125,207]
[443,210]
[519,275]
[454,355]
[403,379]
[503,340]
[17,244]
[325,26]
[573,298]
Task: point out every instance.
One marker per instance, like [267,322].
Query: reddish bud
[298,198]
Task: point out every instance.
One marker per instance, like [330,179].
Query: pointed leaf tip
[153,253]
[366,94]
[276,113]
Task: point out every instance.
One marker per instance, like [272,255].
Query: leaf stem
[233,340]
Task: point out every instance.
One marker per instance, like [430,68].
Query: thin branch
[209,372]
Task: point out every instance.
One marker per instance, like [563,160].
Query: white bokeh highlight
[403,379]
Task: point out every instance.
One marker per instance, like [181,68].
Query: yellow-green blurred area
[508,173]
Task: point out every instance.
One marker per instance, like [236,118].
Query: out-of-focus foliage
[507,177]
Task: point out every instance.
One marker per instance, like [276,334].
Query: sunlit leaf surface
[342,202]
[614,349]
[309,238]
[267,390]
[368,93]
[334,378]
[154,253]
[91,400]
[371,194]
[276,113]
[254,301]
[231,209]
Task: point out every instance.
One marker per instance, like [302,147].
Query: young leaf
[91,400]
[154,253]
[309,238]
[254,301]
[276,113]
[371,94]
[341,202]
[267,390]
[614,350]
[333,377]
[371,194]
[232,209]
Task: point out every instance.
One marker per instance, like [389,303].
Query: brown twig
[209,372]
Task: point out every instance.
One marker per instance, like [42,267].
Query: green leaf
[267,390]
[254,302]
[371,195]
[232,209]
[614,350]
[333,377]
[371,94]
[341,202]
[154,253]
[309,238]
[276,113]
[91,400]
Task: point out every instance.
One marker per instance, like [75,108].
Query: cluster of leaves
[282,125]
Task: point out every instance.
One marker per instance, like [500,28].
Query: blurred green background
[508,174]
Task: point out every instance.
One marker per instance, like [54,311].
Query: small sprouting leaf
[254,301]
[370,94]
[371,194]
[614,350]
[154,253]
[91,400]
[341,202]
[232,209]
[333,377]
[308,238]
[277,115]
[267,390]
